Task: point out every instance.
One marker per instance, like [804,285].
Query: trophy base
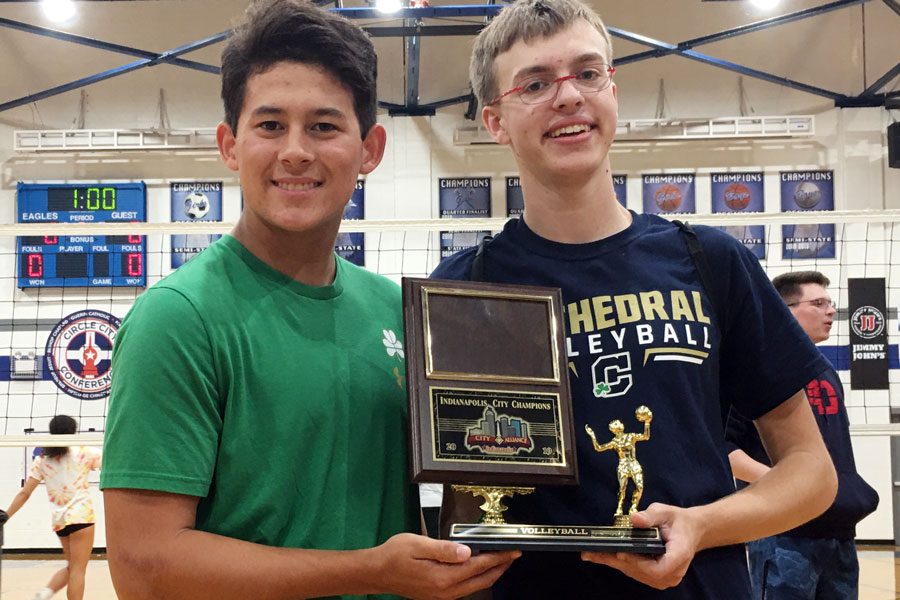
[559,538]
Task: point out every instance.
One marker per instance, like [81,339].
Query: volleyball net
[59,310]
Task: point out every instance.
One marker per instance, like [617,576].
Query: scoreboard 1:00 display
[83,260]
[81,198]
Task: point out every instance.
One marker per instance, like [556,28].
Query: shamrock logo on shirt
[601,389]
[392,345]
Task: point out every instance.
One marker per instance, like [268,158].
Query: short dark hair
[789,285]
[295,30]
[60,424]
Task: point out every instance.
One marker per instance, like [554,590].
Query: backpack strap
[701,264]
[476,273]
[698,256]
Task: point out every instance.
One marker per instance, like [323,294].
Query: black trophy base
[560,538]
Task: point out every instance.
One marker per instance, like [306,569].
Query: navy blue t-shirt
[640,330]
[855,498]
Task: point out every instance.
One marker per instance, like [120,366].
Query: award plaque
[490,408]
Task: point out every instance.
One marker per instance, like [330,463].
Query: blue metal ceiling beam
[450,101]
[893,5]
[882,81]
[150,59]
[139,64]
[425,30]
[413,55]
[427,12]
[736,31]
[399,110]
[724,64]
[86,41]
[488,10]
[866,98]
[772,22]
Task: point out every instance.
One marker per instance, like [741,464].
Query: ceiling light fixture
[58,11]
[387,6]
[765,4]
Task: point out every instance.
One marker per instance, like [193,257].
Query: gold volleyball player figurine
[629,467]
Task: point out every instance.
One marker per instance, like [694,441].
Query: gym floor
[23,574]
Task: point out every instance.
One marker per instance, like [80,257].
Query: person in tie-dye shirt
[65,472]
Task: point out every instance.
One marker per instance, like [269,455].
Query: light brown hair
[524,20]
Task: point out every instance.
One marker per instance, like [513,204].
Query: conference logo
[79,353]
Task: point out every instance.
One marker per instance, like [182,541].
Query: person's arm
[801,485]
[644,436]
[745,467]
[597,446]
[22,497]
[155,552]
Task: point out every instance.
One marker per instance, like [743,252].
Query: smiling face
[298,151]
[570,134]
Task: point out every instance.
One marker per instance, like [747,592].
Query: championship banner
[463,198]
[194,201]
[515,202]
[807,191]
[669,194]
[741,193]
[352,245]
[619,188]
[868,334]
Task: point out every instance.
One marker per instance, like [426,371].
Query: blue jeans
[795,568]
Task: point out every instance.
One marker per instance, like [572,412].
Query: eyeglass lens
[539,89]
[824,303]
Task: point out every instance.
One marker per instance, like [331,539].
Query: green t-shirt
[282,406]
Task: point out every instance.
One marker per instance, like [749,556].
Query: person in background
[64,471]
[816,560]
[256,444]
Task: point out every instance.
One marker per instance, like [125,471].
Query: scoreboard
[81,260]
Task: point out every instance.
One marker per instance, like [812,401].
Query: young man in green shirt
[256,442]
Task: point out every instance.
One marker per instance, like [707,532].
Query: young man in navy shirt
[817,559]
[641,329]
